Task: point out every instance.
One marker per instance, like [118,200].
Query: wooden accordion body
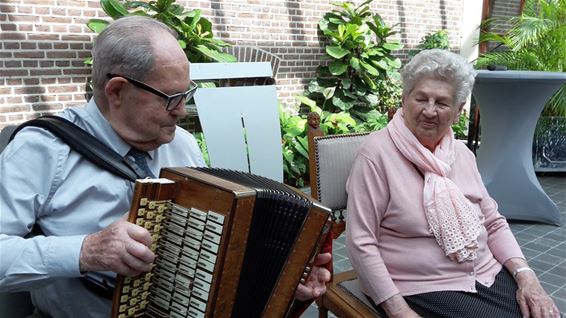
[228,244]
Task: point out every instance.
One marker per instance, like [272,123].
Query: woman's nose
[430,107]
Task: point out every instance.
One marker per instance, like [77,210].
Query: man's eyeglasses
[172,100]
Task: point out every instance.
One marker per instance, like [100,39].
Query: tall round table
[510,104]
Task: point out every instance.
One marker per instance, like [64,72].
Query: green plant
[461,127]
[195,31]
[199,136]
[433,40]
[295,148]
[360,62]
[535,41]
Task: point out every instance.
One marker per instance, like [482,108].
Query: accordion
[228,244]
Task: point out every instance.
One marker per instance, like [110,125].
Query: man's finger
[139,234]
[140,251]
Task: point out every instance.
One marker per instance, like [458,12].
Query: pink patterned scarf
[451,217]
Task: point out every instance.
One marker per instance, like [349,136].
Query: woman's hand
[397,307]
[533,300]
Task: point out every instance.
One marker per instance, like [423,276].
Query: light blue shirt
[43,181]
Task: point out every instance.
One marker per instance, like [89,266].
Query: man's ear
[114,91]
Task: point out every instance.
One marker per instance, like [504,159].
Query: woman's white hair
[443,65]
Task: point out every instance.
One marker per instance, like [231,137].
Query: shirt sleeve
[368,195]
[30,166]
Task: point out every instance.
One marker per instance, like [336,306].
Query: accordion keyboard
[186,242]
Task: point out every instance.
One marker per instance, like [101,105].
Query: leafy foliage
[295,148]
[535,41]
[361,65]
[199,136]
[195,32]
[353,90]
[460,128]
[433,40]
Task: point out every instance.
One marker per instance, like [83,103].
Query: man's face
[429,110]
[141,118]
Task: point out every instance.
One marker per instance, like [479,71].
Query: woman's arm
[532,298]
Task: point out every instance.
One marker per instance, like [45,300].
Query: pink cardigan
[387,235]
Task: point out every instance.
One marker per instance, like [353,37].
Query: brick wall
[44,42]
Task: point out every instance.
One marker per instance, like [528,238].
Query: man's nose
[180,110]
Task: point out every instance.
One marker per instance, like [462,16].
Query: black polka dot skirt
[497,301]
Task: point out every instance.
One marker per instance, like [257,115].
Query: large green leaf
[305,100]
[215,55]
[336,52]
[370,69]
[337,68]
[393,46]
[343,102]
[355,63]
[114,8]
[97,25]
[328,92]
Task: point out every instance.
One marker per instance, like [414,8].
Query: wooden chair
[331,158]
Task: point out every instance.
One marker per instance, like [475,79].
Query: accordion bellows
[228,244]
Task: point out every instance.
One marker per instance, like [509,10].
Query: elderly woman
[423,233]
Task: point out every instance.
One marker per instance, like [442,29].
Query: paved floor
[543,245]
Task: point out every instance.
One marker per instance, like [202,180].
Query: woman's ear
[460,109]
[114,91]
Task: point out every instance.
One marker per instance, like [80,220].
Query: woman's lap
[496,301]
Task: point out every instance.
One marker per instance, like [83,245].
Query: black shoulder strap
[85,144]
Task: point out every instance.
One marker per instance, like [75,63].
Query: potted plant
[535,41]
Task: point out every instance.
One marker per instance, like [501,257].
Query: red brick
[11,36]
[14,100]
[44,37]
[46,107]
[8,27]
[44,72]
[29,55]
[61,54]
[11,45]
[13,72]
[31,81]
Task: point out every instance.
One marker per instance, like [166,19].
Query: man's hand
[122,247]
[317,279]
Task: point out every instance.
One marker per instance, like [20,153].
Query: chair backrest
[333,159]
[5,134]
[334,156]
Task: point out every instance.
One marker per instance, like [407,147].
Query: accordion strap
[85,144]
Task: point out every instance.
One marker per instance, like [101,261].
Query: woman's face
[430,109]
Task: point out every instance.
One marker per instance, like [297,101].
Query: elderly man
[141,82]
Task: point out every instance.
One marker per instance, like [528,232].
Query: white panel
[220,111]
[208,71]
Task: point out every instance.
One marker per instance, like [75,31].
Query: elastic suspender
[85,144]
